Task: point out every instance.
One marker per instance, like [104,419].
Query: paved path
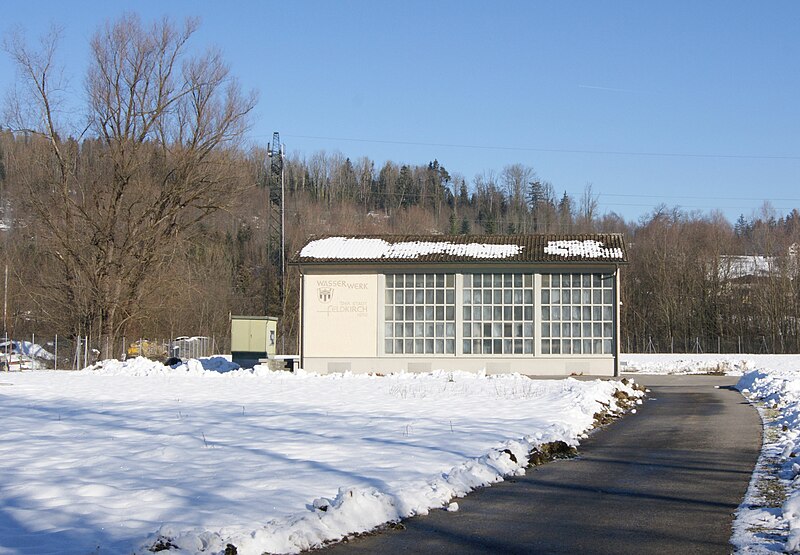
[666,480]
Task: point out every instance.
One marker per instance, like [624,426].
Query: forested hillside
[682,289]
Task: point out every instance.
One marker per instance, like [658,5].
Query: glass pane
[556,279]
[419,313]
[508,330]
[545,346]
[586,296]
[429,346]
[607,296]
[497,346]
[429,296]
[566,347]
[545,330]
[476,280]
[507,293]
[439,346]
[545,280]
[606,330]
[586,313]
[429,313]
[498,280]
[440,296]
[517,313]
[598,346]
[428,280]
[398,330]
[565,296]
[576,313]
[440,313]
[419,296]
[451,329]
[429,329]
[528,296]
[467,346]
[476,346]
[587,346]
[398,346]
[388,313]
[507,313]
[606,346]
[466,330]
[576,346]
[450,280]
[586,280]
[606,313]
[518,346]
[487,312]
[498,296]
[419,346]
[450,313]
[409,296]
[517,330]
[466,312]
[555,313]
[439,329]
[597,296]
[497,329]
[527,280]
[546,313]
[398,280]
[587,330]
[497,312]
[388,346]
[450,296]
[506,280]
[487,346]
[439,280]
[419,280]
[467,296]
[508,346]
[389,280]
[398,297]
[450,346]
[409,313]
[555,296]
[476,313]
[528,313]
[576,330]
[408,330]
[596,330]
[388,329]
[596,282]
[527,329]
[565,330]
[556,347]
[388,297]
[476,296]
[517,280]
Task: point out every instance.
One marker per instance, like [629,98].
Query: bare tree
[163,127]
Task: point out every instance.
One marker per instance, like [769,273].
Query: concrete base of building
[539,366]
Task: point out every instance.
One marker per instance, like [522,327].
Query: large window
[420,314]
[577,314]
[498,314]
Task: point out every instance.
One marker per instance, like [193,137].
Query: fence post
[55,355]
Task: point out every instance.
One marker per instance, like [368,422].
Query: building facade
[537,305]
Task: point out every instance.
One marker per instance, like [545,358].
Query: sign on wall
[340,315]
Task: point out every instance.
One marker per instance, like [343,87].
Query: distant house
[535,304]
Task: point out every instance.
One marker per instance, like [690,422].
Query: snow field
[115,457]
[732,364]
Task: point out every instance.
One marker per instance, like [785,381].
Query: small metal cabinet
[253,338]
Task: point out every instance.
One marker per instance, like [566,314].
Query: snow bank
[120,456]
[769,518]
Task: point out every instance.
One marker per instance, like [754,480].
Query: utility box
[253,338]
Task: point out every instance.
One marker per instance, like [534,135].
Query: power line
[558,150]
[716,198]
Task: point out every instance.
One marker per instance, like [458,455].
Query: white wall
[340,315]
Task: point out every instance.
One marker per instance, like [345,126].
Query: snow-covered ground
[731,364]
[118,457]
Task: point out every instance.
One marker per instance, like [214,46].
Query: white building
[534,304]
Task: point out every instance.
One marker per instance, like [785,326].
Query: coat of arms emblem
[325,294]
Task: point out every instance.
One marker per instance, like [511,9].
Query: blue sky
[693,104]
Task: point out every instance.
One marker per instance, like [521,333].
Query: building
[534,304]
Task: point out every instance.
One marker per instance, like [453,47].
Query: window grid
[497,314]
[577,314]
[419,314]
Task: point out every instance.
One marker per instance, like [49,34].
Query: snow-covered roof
[463,248]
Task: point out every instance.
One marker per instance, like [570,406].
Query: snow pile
[769,518]
[123,457]
[141,366]
[365,248]
[583,249]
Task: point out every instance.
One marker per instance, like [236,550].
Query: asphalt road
[665,480]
